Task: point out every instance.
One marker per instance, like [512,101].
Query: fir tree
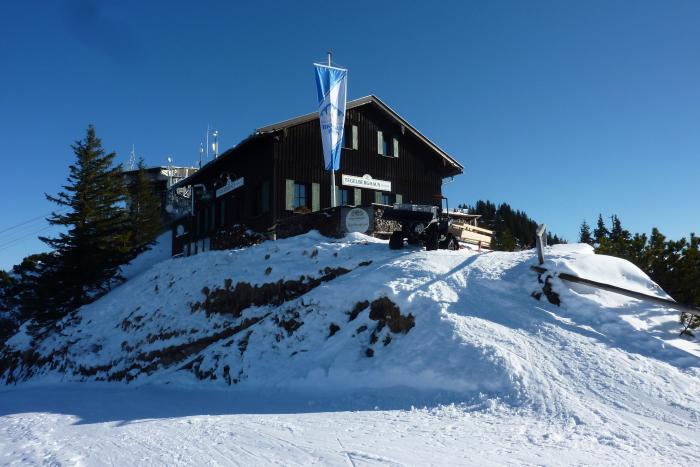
[619,240]
[689,277]
[35,293]
[8,318]
[510,227]
[504,241]
[636,250]
[655,258]
[144,211]
[616,230]
[600,233]
[584,235]
[96,241]
[6,282]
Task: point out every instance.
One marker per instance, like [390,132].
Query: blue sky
[562,109]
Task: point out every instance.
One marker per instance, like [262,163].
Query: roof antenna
[201,154]
[215,144]
[170,171]
[132,158]
[208,130]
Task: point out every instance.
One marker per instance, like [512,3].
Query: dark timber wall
[266,161]
[415,174]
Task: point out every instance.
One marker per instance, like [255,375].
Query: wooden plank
[619,290]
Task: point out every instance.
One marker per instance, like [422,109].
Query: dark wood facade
[276,157]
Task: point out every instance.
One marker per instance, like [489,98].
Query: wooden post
[541,241]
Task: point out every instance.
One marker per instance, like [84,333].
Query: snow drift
[352,315]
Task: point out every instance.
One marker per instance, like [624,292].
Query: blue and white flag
[331,84]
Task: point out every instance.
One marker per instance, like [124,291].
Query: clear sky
[563,109]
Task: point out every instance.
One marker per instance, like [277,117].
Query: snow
[88,425]
[161,250]
[488,374]
[580,261]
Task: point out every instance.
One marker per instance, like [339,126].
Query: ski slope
[295,372]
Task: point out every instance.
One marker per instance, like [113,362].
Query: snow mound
[350,315]
[580,260]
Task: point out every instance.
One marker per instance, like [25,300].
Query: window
[386,198]
[343,197]
[301,196]
[355,138]
[385,147]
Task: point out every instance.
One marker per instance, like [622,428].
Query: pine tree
[600,233]
[36,291]
[619,240]
[655,258]
[8,318]
[144,211]
[6,282]
[636,250]
[96,241]
[504,241]
[688,275]
[585,234]
[616,230]
[511,226]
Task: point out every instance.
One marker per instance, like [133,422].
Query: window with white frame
[387,146]
[302,198]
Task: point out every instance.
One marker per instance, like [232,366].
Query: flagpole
[334,202]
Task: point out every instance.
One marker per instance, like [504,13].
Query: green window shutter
[380,142]
[355,139]
[357,198]
[315,196]
[396,147]
[399,198]
[289,195]
[378,197]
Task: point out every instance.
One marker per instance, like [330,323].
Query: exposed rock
[386,313]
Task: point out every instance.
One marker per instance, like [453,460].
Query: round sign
[357,220]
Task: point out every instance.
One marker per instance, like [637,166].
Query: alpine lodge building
[274,182]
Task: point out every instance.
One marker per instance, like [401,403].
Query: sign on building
[230,186]
[357,220]
[366,181]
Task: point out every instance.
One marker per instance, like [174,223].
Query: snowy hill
[353,322]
